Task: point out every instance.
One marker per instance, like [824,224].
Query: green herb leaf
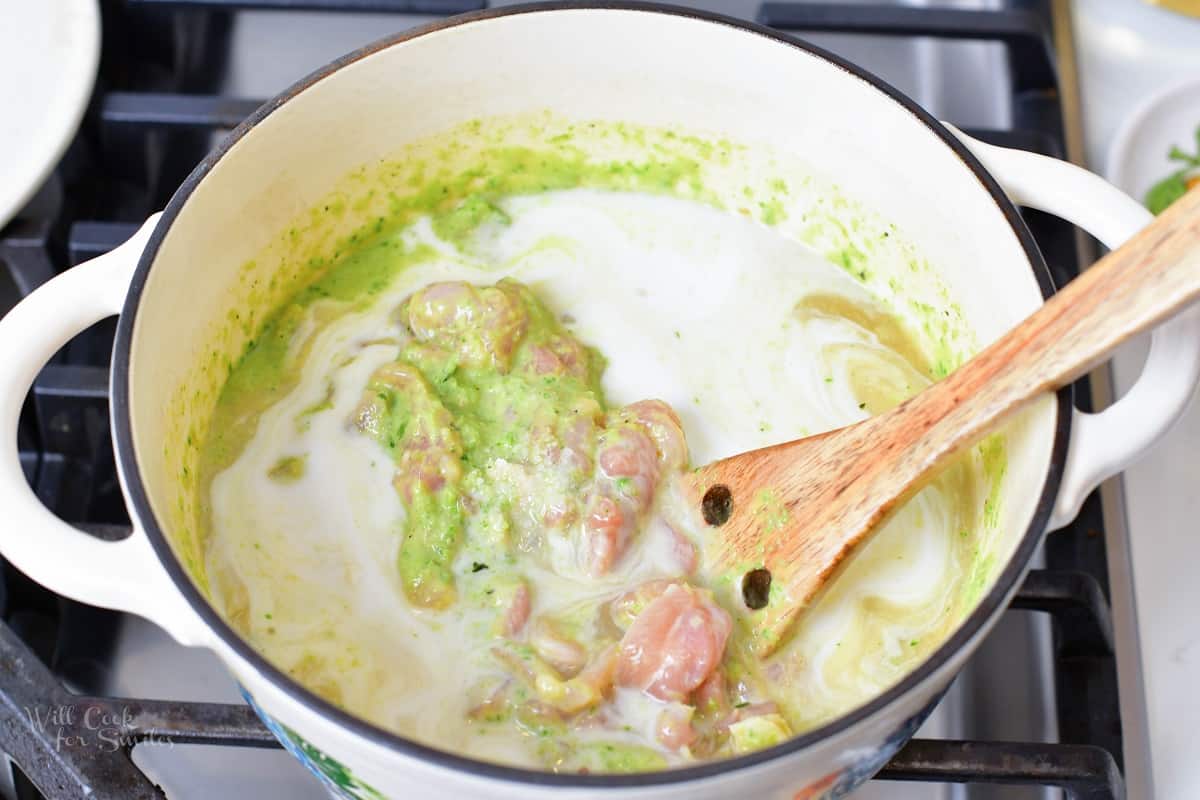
[1165,192]
[1176,154]
[1174,186]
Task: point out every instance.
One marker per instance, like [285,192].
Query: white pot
[651,65]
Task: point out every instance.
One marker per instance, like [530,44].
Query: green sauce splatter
[616,757]
[769,511]
[288,469]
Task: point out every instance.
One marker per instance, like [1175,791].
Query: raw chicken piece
[663,424]
[517,613]
[683,550]
[673,729]
[561,355]
[480,326]
[626,607]
[605,532]
[624,489]
[674,644]
[585,690]
[561,651]
[428,450]
[711,698]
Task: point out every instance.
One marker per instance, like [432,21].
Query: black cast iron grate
[150,121]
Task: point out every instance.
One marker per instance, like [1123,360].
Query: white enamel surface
[1105,443]
[611,64]
[400,777]
[49,52]
[124,574]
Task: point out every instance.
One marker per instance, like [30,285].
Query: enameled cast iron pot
[953,196]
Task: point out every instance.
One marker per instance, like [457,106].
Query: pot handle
[1104,443]
[126,574]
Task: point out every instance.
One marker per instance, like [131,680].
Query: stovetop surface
[174,77]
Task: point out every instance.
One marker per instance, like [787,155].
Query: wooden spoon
[786,516]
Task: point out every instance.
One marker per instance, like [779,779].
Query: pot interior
[701,106]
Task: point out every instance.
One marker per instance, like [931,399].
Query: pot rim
[987,608]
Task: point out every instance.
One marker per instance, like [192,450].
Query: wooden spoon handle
[1148,279]
[796,510]
[834,488]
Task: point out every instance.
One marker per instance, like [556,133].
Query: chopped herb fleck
[288,469]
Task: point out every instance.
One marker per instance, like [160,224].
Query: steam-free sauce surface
[483,599]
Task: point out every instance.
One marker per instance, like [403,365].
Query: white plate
[1138,157]
[1162,504]
[49,52]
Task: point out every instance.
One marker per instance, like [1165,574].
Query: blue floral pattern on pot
[836,785]
[336,776]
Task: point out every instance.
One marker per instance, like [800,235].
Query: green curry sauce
[448,409]
[457,199]
[480,401]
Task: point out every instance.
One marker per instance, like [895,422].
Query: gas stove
[101,705]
